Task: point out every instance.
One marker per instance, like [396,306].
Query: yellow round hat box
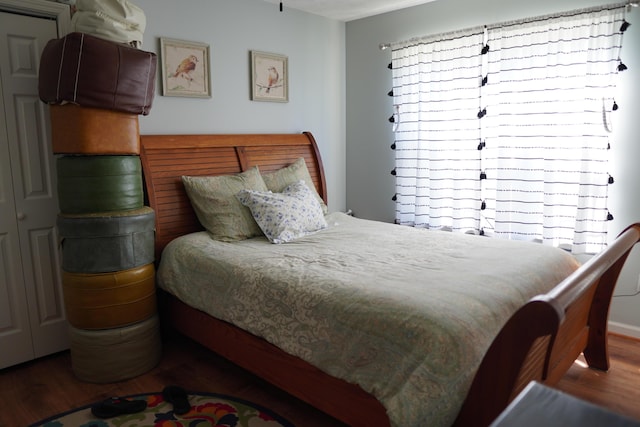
[109,300]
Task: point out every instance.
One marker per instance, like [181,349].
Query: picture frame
[269,77]
[185,68]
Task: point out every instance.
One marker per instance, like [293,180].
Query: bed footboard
[345,401]
[544,338]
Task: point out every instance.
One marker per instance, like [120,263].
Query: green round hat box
[88,184]
[107,241]
[112,355]
[109,300]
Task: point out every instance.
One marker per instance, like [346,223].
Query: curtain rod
[629,4]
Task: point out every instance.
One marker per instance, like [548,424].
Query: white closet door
[32,319]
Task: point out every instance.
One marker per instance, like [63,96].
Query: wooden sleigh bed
[539,342]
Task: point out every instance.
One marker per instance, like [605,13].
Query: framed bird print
[185,68]
[269,77]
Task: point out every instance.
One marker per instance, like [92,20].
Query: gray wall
[338,84]
[369,135]
[315,49]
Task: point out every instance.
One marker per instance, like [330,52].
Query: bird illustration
[272,78]
[186,67]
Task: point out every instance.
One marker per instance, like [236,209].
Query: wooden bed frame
[540,342]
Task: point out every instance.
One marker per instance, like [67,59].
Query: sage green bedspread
[405,313]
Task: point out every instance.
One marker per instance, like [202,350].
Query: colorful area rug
[207,409]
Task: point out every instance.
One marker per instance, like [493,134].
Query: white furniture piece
[538,405]
[32,318]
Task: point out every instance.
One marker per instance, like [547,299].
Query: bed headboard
[166,158]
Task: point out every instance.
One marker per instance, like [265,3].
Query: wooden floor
[619,388]
[35,390]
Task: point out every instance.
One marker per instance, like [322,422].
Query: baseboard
[624,329]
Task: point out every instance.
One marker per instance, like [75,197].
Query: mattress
[405,313]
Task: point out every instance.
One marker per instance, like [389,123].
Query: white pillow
[285,216]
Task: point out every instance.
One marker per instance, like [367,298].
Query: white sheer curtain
[504,130]
[437,164]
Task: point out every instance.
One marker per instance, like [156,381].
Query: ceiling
[347,10]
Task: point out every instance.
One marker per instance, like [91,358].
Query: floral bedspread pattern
[405,313]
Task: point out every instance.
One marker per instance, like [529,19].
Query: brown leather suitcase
[93,72]
[93,131]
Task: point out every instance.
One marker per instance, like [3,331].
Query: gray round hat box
[105,242]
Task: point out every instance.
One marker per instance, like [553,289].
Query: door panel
[33,158]
[15,335]
[33,310]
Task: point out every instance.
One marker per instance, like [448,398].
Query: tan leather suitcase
[109,300]
[93,131]
[117,354]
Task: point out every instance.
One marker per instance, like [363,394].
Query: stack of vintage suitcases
[96,89]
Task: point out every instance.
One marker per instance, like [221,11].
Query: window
[505,130]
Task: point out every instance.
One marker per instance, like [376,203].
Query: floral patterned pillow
[285,216]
